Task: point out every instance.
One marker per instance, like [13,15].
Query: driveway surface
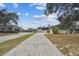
[12,36]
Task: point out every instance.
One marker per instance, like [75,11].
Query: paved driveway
[37,45]
[9,37]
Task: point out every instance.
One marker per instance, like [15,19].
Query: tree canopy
[66,12]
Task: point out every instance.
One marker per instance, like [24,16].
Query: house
[63,31]
[15,28]
[11,28]
[60,30]
[75,27]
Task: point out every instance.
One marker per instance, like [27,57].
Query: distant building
[31,30]
[44,30]
[11,28]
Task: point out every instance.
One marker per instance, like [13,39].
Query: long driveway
[12,36]
[37,45]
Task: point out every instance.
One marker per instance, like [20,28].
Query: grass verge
[67,43]
[8,45]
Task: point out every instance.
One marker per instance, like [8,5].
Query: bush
[54,30]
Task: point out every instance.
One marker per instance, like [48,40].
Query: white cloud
[19,13]
[44,17]
[22,14]
[37,16]
[27,14]
[39,6]
[40,17]
[15,5]
[2,5]
[33,4]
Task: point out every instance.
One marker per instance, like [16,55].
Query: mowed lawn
[8,45]
[67,43]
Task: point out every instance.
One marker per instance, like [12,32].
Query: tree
[60,7]
[7,18]
[54,30]
[67,12]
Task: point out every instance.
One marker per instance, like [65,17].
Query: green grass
[8,45]
[67,43]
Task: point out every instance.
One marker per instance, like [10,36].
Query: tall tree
[7,18]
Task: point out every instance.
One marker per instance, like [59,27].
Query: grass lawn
[8,45]
[67,43]
[3,34]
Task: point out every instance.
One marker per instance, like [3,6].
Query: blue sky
[31,15]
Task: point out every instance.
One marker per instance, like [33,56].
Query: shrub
[54,30]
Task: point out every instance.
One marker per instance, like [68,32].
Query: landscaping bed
[67,43]
[8,45]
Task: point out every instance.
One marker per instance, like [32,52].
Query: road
[37,45]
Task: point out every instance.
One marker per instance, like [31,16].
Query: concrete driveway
[9,37]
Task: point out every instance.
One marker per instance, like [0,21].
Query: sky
[31,15]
